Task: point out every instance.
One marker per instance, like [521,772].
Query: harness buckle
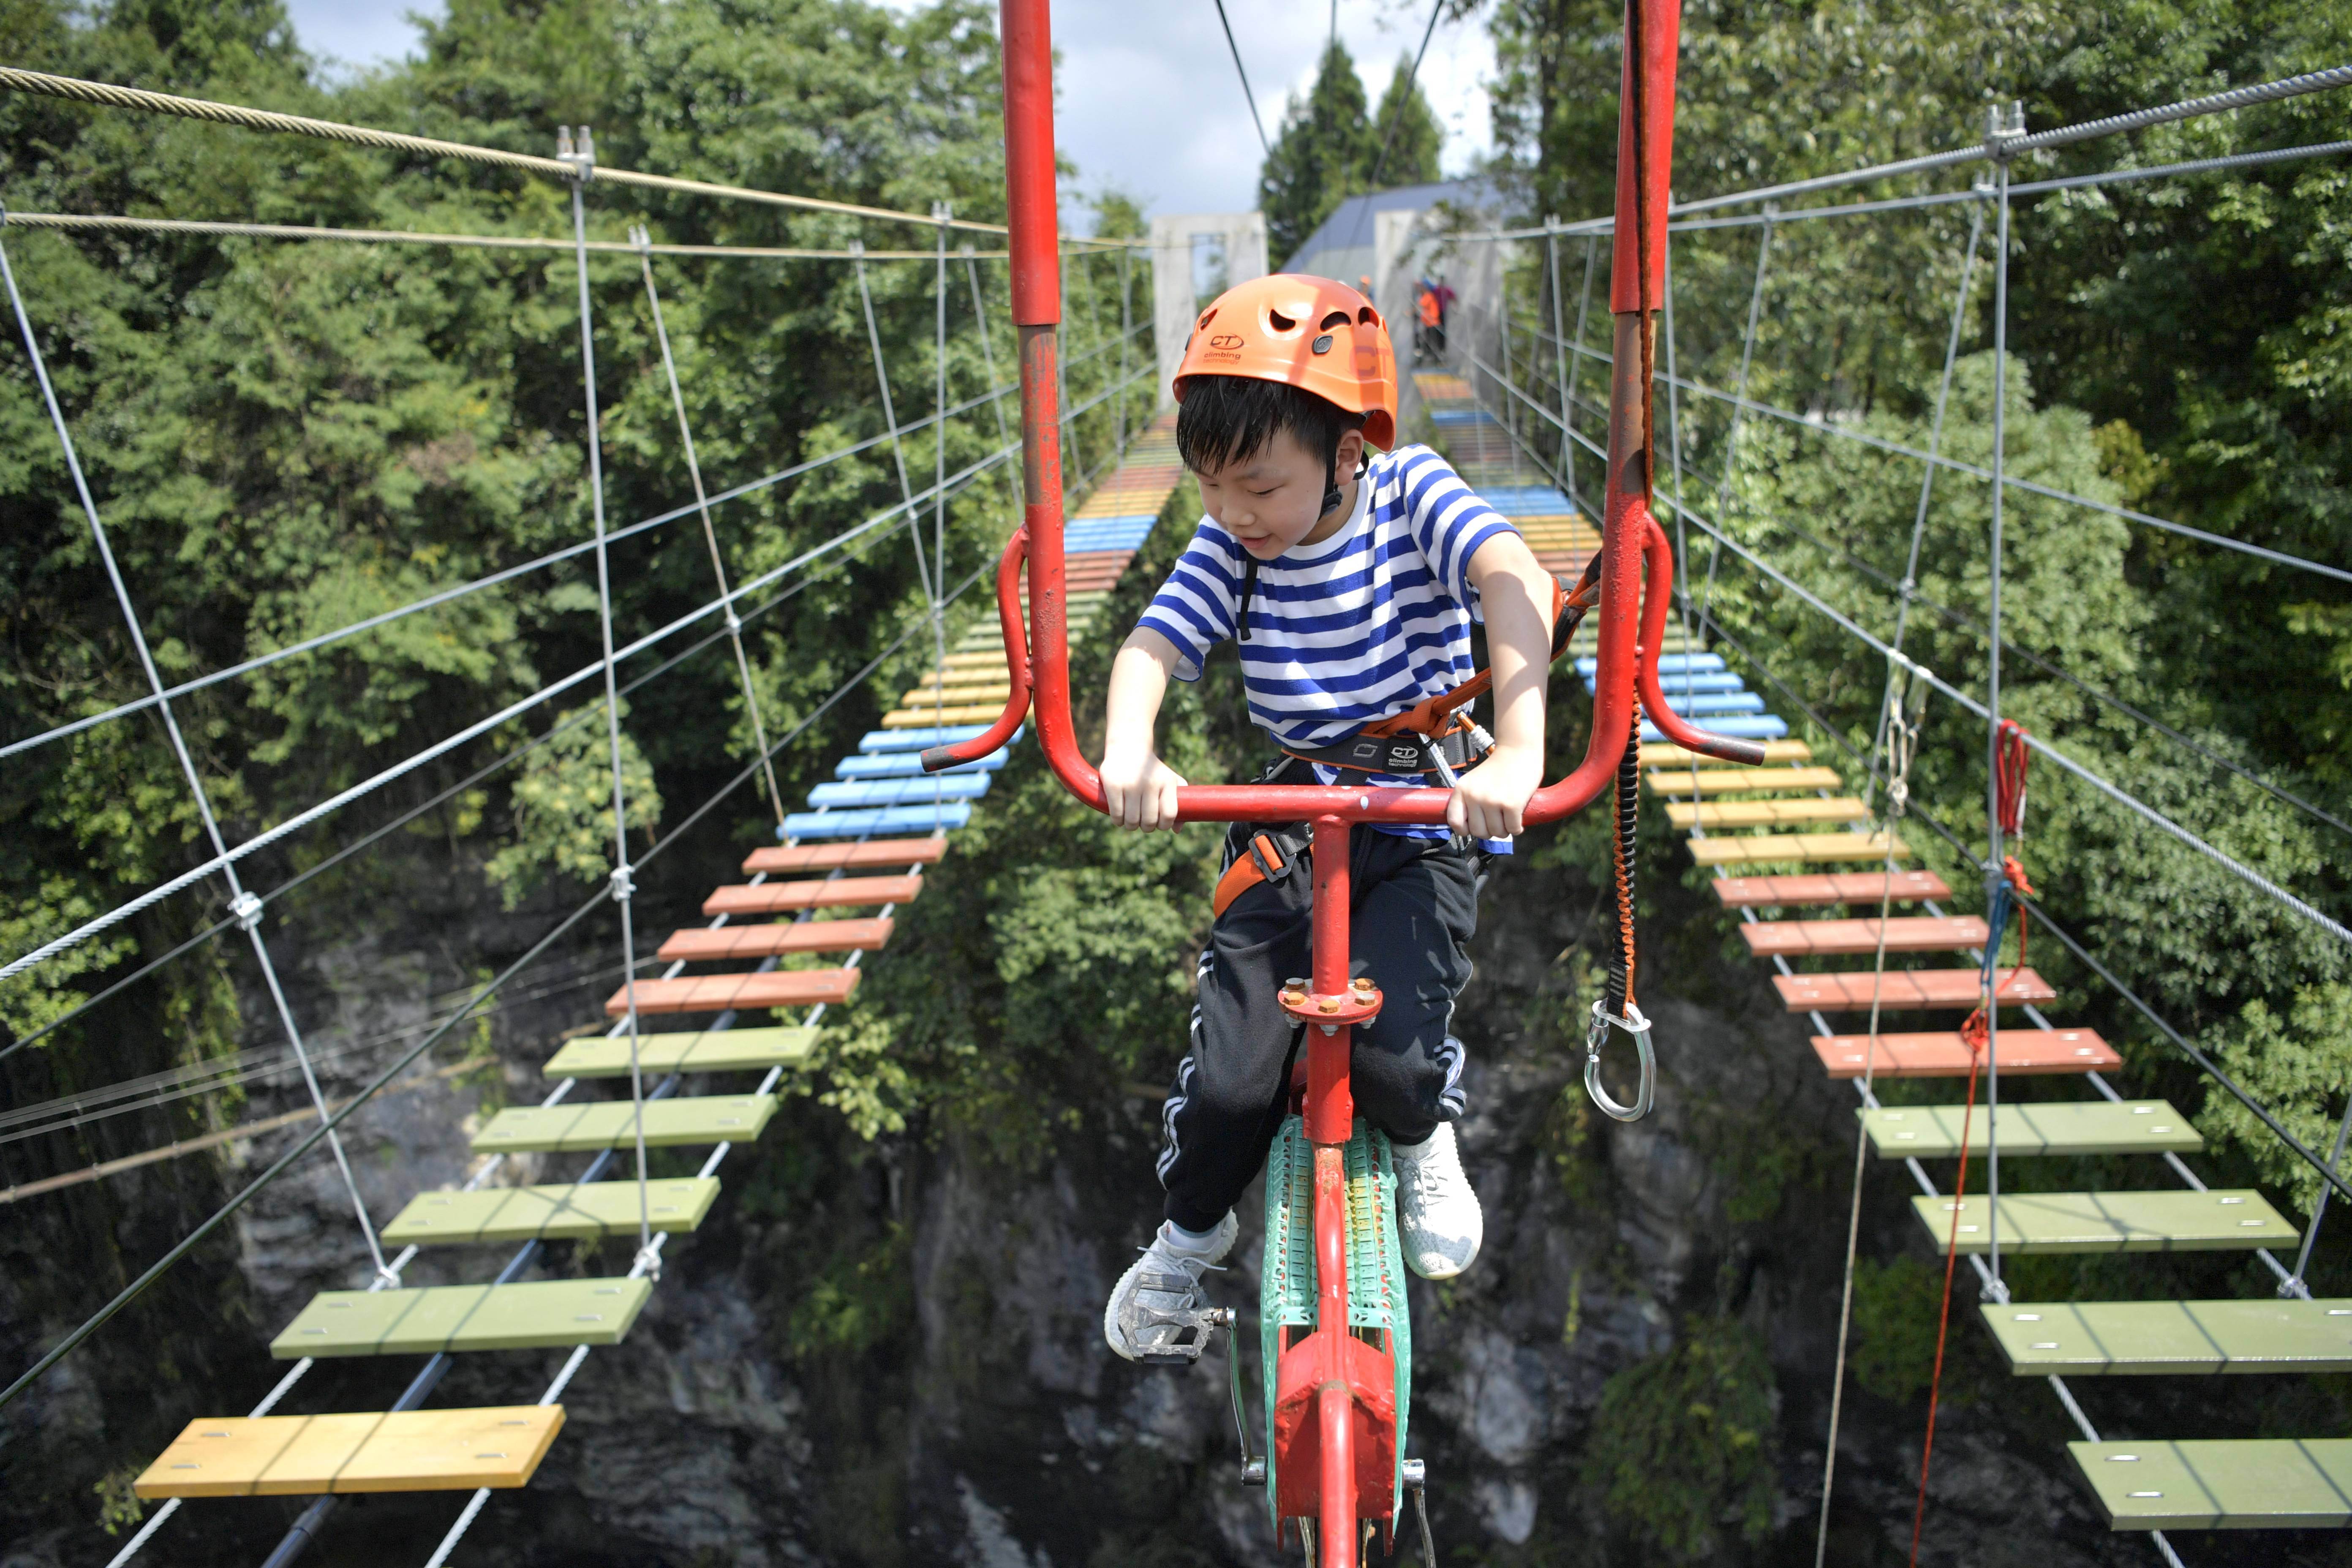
[1595,1037]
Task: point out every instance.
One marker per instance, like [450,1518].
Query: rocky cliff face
[891,1353]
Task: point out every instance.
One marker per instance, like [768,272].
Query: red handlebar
[1673,725]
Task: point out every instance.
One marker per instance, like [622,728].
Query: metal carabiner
[1634,1023]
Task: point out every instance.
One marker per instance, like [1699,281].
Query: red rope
[2009,757]
[1972,1032]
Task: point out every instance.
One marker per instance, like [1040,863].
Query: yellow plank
[921,717]
[1740,781]
[1665,756]
[401,1451]
[1765,849]
[1764,813]
[975,661]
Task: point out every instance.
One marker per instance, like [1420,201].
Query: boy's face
[1275,499]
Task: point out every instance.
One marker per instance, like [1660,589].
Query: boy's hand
[1138,789]
[1490,801]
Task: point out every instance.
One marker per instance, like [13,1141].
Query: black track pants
[1415,905]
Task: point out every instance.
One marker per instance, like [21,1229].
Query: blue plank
[924,739]
[889,820]
[905,765]
[1117,534]
[1666,662]
[1460,417]
[900,792]
[1677,682]
[1748,727]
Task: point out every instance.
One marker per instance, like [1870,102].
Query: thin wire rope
[710,528]
[121,913]
[1935,445]
[247,912]
[188,1243]
[1388,142]
[1993,837]
[1731,439]
[622,884]
[2244,873]
[940,468]
[107,95]
[78,223]
[890,418]
[1897,740]
[505,574]
[584,715]
[1257,122]
[1559,365]
[2287,1287]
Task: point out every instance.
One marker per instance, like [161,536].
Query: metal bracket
[581,153]
[1178,1337]
[1595,1037]
[623,883]
[1360,1004]
[1416,1481]
[246,910]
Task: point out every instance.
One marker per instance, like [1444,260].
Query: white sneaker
[1153,1314]
[1438,1218]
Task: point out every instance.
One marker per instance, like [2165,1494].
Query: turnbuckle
[1596,1036]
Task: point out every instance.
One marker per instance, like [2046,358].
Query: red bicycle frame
[1351,1394]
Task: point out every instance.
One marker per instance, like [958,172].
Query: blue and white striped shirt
[1351,630]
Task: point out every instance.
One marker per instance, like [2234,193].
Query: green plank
[567,1212]
[536,1315]
[2254,1484]
[696,1050]
[612,1123]
[2114,1222]
[2091,1339]
[2065,1127]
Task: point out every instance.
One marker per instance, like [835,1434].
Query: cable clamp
[1595,1037]
[246,910]
[734,623]
[648,1262]
[387,1277]
[580,153]
[625,883]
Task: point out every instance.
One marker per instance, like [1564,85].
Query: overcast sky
[1150,101]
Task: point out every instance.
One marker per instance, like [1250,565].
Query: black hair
[1229,418]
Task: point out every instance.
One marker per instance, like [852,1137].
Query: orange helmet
[1309,333]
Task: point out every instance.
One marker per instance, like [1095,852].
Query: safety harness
[1432,736]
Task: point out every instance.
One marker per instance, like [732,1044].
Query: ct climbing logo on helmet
[1226,341]
[1224,348]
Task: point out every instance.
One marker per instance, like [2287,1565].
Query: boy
[1349,603]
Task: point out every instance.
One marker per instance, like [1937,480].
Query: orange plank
[842,854]
[716,993]
[1905,933]
[701,945]
[1841,888]
[1847,990]
[838,893]
[2028,1051]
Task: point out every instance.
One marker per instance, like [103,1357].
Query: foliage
[1684,1443]
[1895,1304]
[562,804]
[1329,147]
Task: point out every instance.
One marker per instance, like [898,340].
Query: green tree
[1329,144]
[1406,136]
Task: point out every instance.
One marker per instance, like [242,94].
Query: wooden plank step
[1849,990]
[2100,1339]
[568,1210]
[702,1050]
[496,1445]
[923,717]
[1944,1055]
[1662,755]
[974,661]
[1764,813]
[2254,1483]
[716,993]
[540,1314]
[1782,849]
[829,893]
[782,858]
[700,944]
[596,1124]
[2217,1221]
[964,696]
[2064,1127]
[1905,933]
[1740,781]
[1829,888]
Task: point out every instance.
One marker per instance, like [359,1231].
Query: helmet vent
[1280,322]
[1336,319]
[1369,316]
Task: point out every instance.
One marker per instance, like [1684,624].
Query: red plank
[1847,990]
[1842,888]
[1905,933]
[773,898]
[842,853]
[1946,1056]
[701,945]
[716,993]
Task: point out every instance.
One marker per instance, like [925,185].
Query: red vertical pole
[1330,1122]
